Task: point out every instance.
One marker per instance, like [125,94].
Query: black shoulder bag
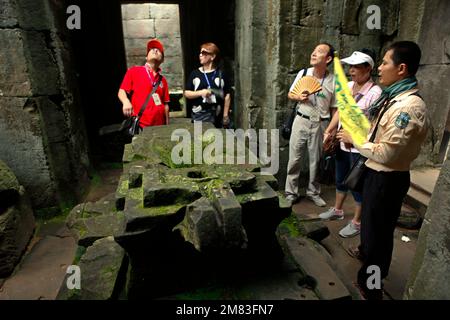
[355,177]
[130,126]
[286,127]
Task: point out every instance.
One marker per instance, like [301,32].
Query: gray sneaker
[291,199]
[318,201]
[331,214]
[350,230]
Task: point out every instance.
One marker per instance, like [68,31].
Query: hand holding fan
[308,85]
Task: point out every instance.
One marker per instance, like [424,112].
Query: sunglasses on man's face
[205,53]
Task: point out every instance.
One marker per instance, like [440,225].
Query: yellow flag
[352,118]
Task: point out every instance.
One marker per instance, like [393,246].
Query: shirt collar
[150,69]
[406,93]
[365,88]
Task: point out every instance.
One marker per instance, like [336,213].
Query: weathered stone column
[42,132]
[430,272]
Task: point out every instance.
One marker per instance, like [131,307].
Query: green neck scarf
[389,93]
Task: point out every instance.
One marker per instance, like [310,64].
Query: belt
[307,117]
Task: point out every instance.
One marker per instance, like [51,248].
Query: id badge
[197,109]
[211,99]
[156,99]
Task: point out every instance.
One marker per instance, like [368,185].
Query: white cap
[358,58]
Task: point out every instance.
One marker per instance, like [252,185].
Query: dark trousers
[383,195]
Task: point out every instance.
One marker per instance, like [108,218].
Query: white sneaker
[291,199]
[331,214]
[318,201]
[350,230]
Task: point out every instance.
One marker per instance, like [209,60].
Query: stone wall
[144,21]
[16,221]
[42,132]
[434,74]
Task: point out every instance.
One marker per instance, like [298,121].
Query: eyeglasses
[205,53]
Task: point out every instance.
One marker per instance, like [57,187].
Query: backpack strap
[417,94]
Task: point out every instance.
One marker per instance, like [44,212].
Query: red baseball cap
[155,43]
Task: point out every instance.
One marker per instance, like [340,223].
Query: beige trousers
[306,136]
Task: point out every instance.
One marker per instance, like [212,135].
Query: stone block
[304,41]
[350,22]
[314,264]
[167,28]
[14,69]
[133,11]
[389,17]
[230,213]
[430,272]
[91,221]
[175,81]
[172,47]
[20,127]
[311,14]
[143,29]
[410,17]
[87,231]
[201,226]
[164,11]
[172,65]
[34,15]
[390,14]
[9,187]
[315,230]
[166,194]
[350,43]
[8,14]
[434,39]
[133,61]
[333,13]
[43,71]
[438,105]
[104,269]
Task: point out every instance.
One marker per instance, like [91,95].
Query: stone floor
[43,268]
[347,266]
[51,250]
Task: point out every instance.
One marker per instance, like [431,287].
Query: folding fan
[308,85]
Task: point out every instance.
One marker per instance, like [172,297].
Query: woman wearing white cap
[365,91]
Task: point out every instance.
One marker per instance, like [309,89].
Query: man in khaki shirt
[401,115]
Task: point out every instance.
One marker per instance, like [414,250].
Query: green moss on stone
[216,293]
[291,224]
[78,254]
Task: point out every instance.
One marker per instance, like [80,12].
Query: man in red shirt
[139,82]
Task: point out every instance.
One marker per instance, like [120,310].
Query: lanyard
[321,85]
[206,77]
[152,79]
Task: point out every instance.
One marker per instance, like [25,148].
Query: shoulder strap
[416,94]
[149,96]
[305,70]
[359,96]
